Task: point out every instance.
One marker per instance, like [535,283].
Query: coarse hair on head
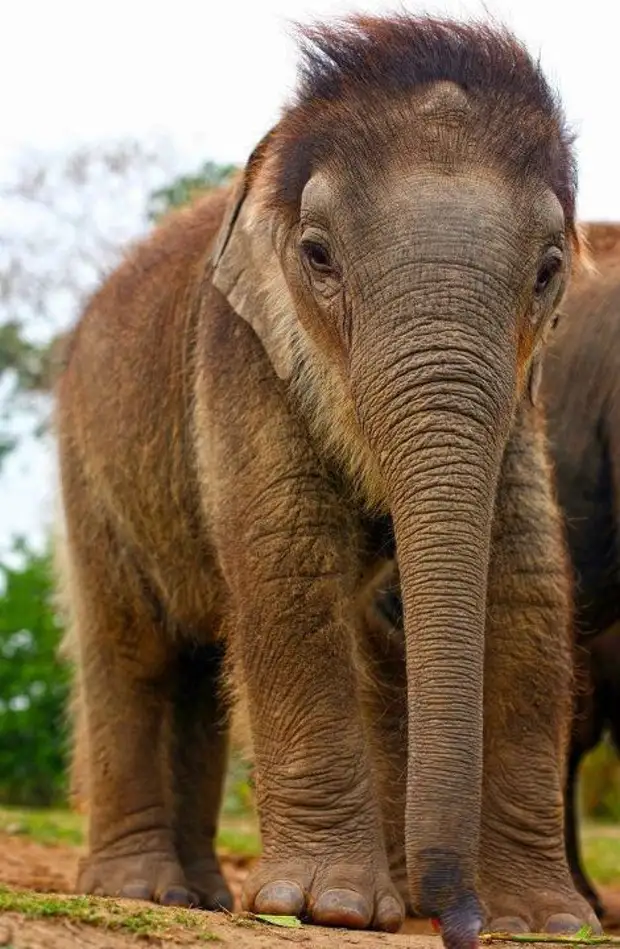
[354,69]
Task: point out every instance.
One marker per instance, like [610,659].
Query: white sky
[211,76]
[213,73]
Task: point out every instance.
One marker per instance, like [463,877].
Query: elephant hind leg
[198,756]
[124,657]
[383,691]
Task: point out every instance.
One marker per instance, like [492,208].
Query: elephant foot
[154,876]
[328,894]
[536,910]
[205,879]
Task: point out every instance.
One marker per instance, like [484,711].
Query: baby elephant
[347,333]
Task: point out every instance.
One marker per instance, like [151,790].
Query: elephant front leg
[292,646]
[524,875]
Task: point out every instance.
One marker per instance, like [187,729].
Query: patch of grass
[105,914]
[44,826]
[599,783]
[601,851]
[243,840]
[237,835]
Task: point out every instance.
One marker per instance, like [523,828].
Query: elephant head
[400,242]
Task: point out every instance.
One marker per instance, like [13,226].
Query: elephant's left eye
[549,268]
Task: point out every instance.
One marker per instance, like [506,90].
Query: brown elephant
[581,392]
[349,333]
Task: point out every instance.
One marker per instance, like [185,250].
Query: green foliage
[30,362]
[600,844]
[599,784]
[238,797]
[45,825]
[185,188]
[33,685]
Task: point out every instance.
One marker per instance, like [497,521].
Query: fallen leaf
[291,922]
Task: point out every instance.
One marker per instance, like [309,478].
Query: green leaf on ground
[290,922]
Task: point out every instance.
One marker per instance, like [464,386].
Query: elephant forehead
[442,97]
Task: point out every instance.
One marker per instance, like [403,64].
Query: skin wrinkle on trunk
[444,657]
[446,425]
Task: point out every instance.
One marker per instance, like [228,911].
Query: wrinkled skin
[326,341]
[581,393]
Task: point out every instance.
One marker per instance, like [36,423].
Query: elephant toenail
[280,899]
[220,900]
[340,907]
[567,923]
[177,896]
[140,890]
[390,914]
[508,924]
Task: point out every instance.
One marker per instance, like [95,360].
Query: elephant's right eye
[317,256]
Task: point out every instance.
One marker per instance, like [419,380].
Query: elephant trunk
[439,427]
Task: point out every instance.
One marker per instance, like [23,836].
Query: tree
[33,685]
[187,187]
[65,216]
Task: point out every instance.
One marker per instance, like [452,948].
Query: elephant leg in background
[524,876]
[198,753]
[383,690]
[587,730]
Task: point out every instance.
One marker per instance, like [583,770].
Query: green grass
[44,826]
[105,914]
[237,835]
[601,851]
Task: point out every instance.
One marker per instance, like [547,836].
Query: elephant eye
[317,256]
[548,269]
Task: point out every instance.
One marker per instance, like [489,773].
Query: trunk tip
[461,923]
[448,897]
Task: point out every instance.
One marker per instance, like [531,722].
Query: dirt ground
[26,864]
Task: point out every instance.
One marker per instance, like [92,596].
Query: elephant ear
[247,270]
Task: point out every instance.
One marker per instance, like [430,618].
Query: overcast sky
[211,76]
[213,73]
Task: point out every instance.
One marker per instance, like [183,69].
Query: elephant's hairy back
[124,404]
